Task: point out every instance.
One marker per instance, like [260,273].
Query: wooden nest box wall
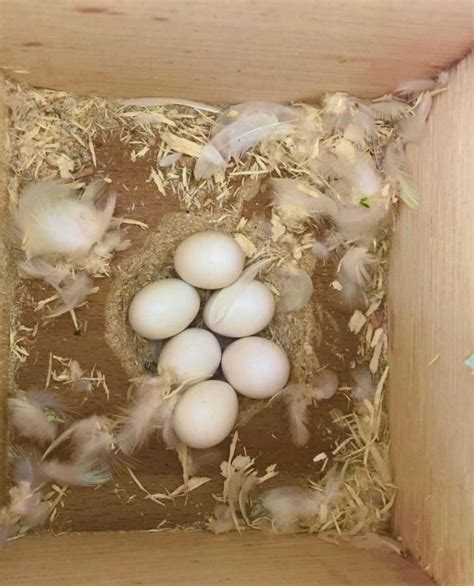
[226,52]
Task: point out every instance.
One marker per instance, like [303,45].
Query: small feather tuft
[32,415]
[355,274]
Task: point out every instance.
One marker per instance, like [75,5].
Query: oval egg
[194,353]
[206,414]
[250,312]
[256,367]
[209,260]
[163,309]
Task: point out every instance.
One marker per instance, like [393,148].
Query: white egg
[250,312]
[163,309]
[206,414]
[194,353]
[256,367]
[209,260]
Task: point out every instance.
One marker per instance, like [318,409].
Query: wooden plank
[232,50]
[5,297]
[432,307]
[187,559]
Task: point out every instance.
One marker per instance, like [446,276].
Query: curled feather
[81,473]
[235,136]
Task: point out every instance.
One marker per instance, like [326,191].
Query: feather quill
[236,138]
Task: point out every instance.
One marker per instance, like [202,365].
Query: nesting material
[308,193]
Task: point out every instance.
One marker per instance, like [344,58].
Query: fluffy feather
[72,294]
[31,415]
[234,139]
[396,169]
[52,221]
[355,274]
[345,115]
[37,268]
[283,113]
[81,473]
[152,410]
[353,167]
[411,129]
[296,201]
[222,522]
[365,386]
[289,508]
[296,288]
[298,398]
[325,384]
[361,223]
[27,468]
[389,109]
[320,250]
[27,505]
[91,439]
[415,86]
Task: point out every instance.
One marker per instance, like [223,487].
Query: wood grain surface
[432,333]
[5,300]
[200,559]
[231,50]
